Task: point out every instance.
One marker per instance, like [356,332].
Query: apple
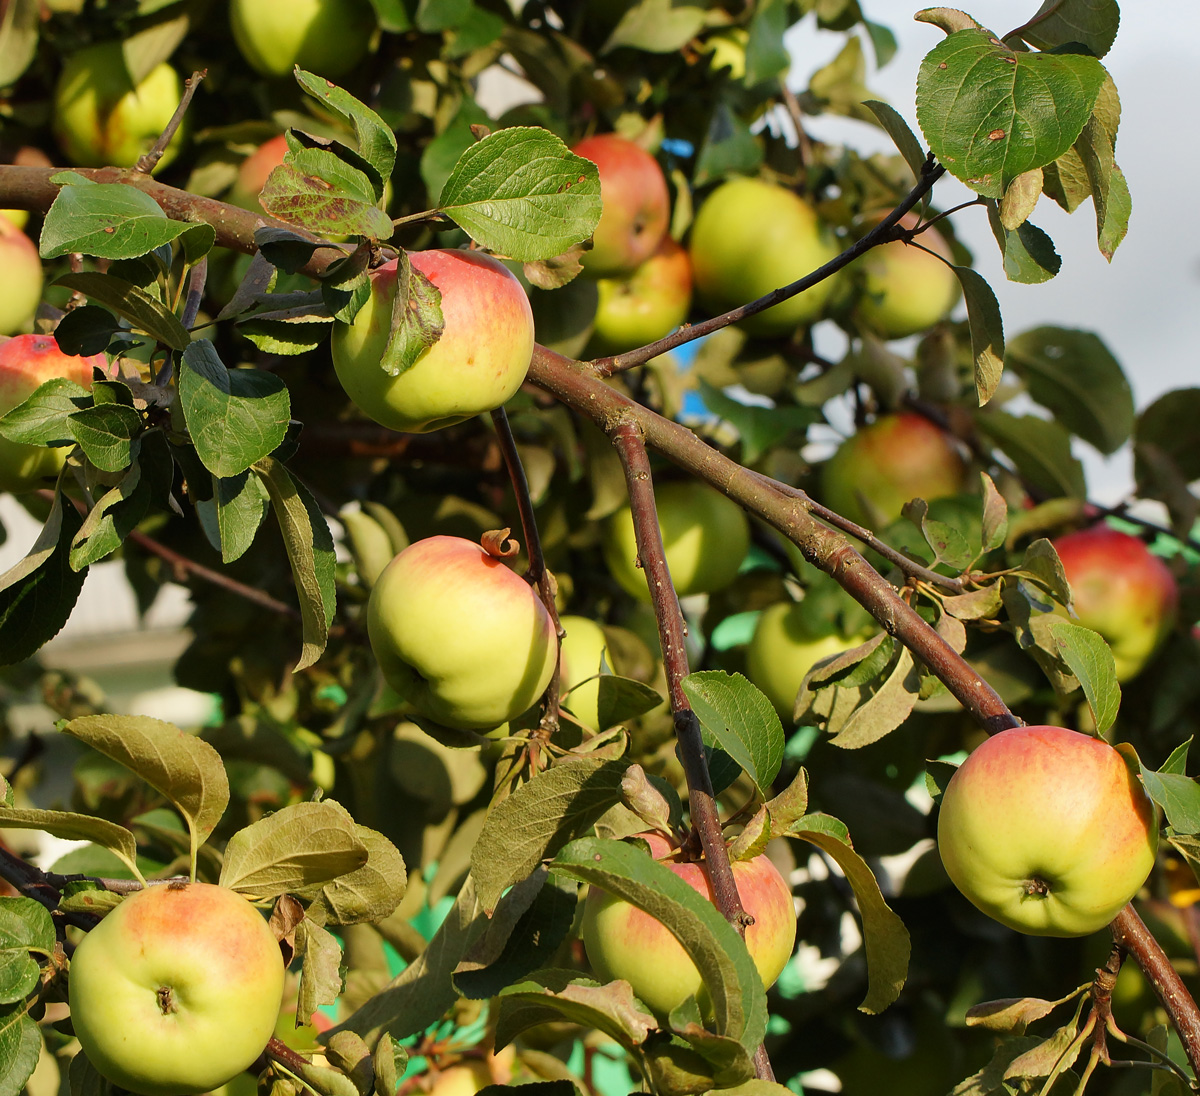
[20,279]
[583,646]
[26,362]
[882,466]
[328,37]
[624,942]
[464,1079]
[253,171]
[636,205]
[177,990]
[784,647]
[1121,590]
[906,290]
[750,237]
[18,218]
[705,538]
[478,363]
[1047,830]
[459,635]
[101,119]
[646,305]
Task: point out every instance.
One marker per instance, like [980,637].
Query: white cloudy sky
[1144,304]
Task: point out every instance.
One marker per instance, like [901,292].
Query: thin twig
[149,161]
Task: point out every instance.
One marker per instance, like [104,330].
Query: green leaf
[987,331]
[889,705]
[19,24]
[107,220]
[38,593]
[367,895]
[1166,441]
[143,311]
[235,417]
[25,927]
[1040,449]
[113,517]
[105,434]
[767,56]
[619,699]
[376,141]
[1028,253]
[995,515]
[657,26]
[1074,375]
[416,322]
[86,330]
[76,827]
[310,551]
[302,846]
[44,418]
[317,190]
[183,767]
[20,1048]
[1091,23]
[520,192]
[990,113]
[1091,661]
[237,509]
[539,818]
[712,943]
[737,717]
[759,428]
[884,935]
[1178,795]
[729,146]
[902,137]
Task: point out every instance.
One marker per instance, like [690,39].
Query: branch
[146,164]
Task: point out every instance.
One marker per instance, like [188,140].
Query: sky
[1143,305]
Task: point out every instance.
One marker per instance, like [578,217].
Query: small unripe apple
[478,363]
[459,635]
[636,205]
[20,279]
[1121,590]
[583,647]
[882,466]
[624,942]
[177,990]
[101,119]
[750,237]
[328,37]
[906,290]
[1047,830]
[645,305]
[26,362]
[784,647]
[705,538]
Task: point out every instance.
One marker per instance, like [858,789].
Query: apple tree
[584,714]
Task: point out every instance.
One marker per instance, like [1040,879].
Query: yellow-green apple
[906,290]
[882,466]
[253,171]
[705,538]
[26,362]
[786,644]
[177,990]
[583,646]
[1047,830]
[328,37]
[20,279]
[1120,589]
[478,363]
[18,218]
[750,237]
[727,50]
[101,119]
[645,305]
[624,942]
[459,635]
[636,205]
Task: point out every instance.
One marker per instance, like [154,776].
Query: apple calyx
[166,1000]
[1037,887]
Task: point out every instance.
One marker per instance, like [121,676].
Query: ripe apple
[1121,590]
[20,279]
[328,37]
[882,466]
[583,646]
[705,537]
[478,363]
[26,362]
[906,290]
[101,119]
[459,635]
[636,205]
[784,647]
[622,941]
[1047,830]
[253,171]
[751,236]
[645,305]
[177,990]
